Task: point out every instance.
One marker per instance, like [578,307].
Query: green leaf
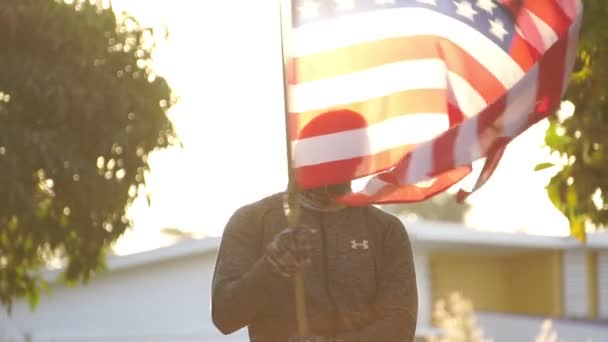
[552,139]
[572,197]
[554,192]
[33,298]
[543,166]
[577,229]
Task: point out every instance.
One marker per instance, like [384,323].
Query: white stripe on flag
[421,164]
[572,8]
[549,37]
[374,186]
[390,23]
[466,146]
[521,102]
[571,53]
[464,96]
[367,84]
[395,132]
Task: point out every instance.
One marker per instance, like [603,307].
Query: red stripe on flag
[291,71]
[333,121]
[569,7]
[443,156]
[490,165]
[529,30]
[366,55]
[523,53]
[550,13]
[489,127]
[340,171]
[406,193]
[551,76]
[458,61]
[512,5]
[418,101]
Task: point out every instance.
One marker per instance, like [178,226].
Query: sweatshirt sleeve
[241,273]
[397,301]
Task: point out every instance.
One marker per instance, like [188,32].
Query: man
[359,273]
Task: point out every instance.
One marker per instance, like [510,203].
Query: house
[514,280]
[160,295]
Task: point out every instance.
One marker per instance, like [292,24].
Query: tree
[80,111]
[580,188]
[547,332]
[442,207]
[456,318]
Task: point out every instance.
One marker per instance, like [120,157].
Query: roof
[440,234]
[423,233]
[434,233]
[181,249]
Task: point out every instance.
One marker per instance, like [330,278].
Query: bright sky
[223,60]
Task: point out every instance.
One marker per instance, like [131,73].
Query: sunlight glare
[222,59]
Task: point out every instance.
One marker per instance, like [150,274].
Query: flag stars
[497,28]
[309,9]
[345,5]
[465,9]
[486,5]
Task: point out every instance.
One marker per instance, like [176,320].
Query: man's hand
[289,252]
[314,339]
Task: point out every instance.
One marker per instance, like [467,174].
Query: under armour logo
[354,244]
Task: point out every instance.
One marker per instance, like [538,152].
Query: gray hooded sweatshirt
[360,288]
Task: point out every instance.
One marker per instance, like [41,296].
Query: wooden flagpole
[292,208]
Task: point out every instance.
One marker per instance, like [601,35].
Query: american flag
[412,92]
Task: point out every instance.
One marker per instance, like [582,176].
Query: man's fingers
[290,251]
[277,268]
[286,259]
[304,235]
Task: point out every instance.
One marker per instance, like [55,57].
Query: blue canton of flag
[489,17]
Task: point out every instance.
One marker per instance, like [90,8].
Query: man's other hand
[289,252]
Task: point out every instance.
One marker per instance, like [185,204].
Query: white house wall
[166,301]
[425,305]
[575,284]
[162,301]
[513,328]
[602,265]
